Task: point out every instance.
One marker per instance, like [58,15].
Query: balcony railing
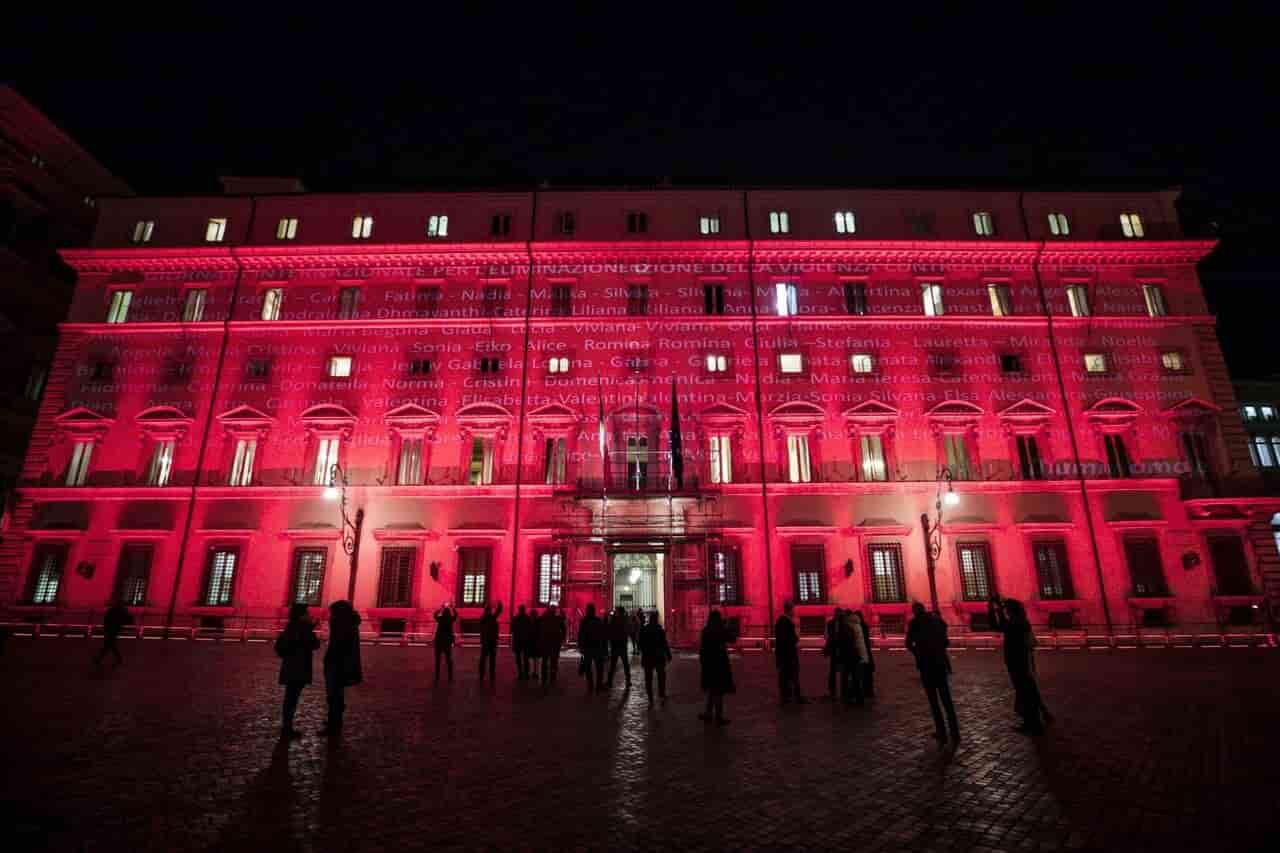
[650,473]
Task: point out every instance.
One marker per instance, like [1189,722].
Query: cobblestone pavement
[177,749]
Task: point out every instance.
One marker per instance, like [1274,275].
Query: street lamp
[337,490]
[933,533]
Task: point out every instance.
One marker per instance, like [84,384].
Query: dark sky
[369,100]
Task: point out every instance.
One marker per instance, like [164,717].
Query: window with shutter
[1145,567]
[807,564]
[976,580]
[887,583]
[725,577]
[132,575]
[1053,574]
[473,576]
[395,578]
[308,577]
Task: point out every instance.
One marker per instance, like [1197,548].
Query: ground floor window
[550,577]
[887,582]
[807,563]
[395,578]
[308,576]
[473,576]
[726,582]
[220,577]
[46,574]
[133,574]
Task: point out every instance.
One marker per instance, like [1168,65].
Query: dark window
[1145,567]
[637,223]
[726,579]
[562,300]
[1053,574]
[258,368]
[132,575]
[495,298]
[944,363]
[500,225]
[395,578]
[1029,458]
[1117,456]
[36,379]
[179,371]
[348,303]
[713,298]
[885,565]
[855,297]
[473,576]
[921,223]
[550,578]
[1230,566]
[220,577]
[426,301]
[1195,450]
[807,564]
[420,367]
[977,581]
[637,300]
[489,364]
[554,462]
[308,576]
[566,223]
[1011,363]
[102,371]
[47,567]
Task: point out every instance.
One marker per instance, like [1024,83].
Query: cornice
[375,256]
[1127,253]
[146,259]
[897,252]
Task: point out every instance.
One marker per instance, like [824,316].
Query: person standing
[294,646]
[829,652]
[619,634]
[113,622]
[341,662]
[927,640]
[550,639]
[593,646]
[655,654]
[489,639]
[535,645]
[637,625]
[869,666]
[717,675]
[851,652]
[445,617]
[520,632]
[786,652]
[1010,619]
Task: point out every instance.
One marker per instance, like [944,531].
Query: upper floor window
[340,366]
[1011,364]
[426,301]
[287,228]
[1029,457]
[1131,224]
[361,227]
[272,299]
[193,307]
[36,380]
[326,462]
[561,300]
[420,367]
[495,299]
[921,223]
[1117,455]
[983,224]
[1078,300]
[1001,299]
[438,225]
[1095,362]
[1173,361]
[931,291]
[637,222]
[1249,413]
[784,299]
[791,363]
[78,469]
[862,362]
[779,222]
[118,309]
[709,224]
[720,457]
[1265,451]
[717,363]
[799,469]
[871,458]
[555,460]
[489,364]
[242,458]
[215,230]
[409,471]
[637,300]
[558,364]
[161,465]
[1154,296]
[348,303]
[566,223]
[845,222]
[1059,226]
[713,298]
[142,231]
[500,225]
[1268,413]
[955,448]
[855,297]
[480,463]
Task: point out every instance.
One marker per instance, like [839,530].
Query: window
[1131,225]
[791,363]
[1117,456]
[118,310]
[220,576]
[720,456]
[1058,225]
[562,300]
[78,470]
[921,223]
[1249,413]
[931,291]
[1053,576]
[566,223]
[215,229]
[348,303]
[1145,567]
[272,299]
[887,582]
[308,577]
[1268,413]
[395,577]
[725,577]
[361,227]
[495,298]
[1029,458]
[638,363]
[242,462]
[1078,299]
[46,574]
[558,364]
[1172,361]
[287,228]
[983,224]
[709,224]
[1230,566]
[779,222]
[637,300]
[409,471]
[326,461]
[102,371]
[489,364]
[473,576]
[862,362]
[855,297]
[784,299]
[420,367]
[845,222]
[1154,296]
[258,368]
[1011,364]
[426,301]
[1095,362]
[438,225]
[339,367]
[798,470]
[550,578]
[713,298]
[132,575]
[142,230]
[500,225]
[871,452]
[637,223]
[807,562]
[555,460]
[956,449]
[36,379]
[1260,451]
[1195,452]
[178,371]
[193,308]
[976,581]
[717,363]
[1001,299]
[480,467]
[161,463]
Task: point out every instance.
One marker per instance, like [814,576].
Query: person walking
[869,665]
[550,640]
[786,653]
[717,675]
[489,639]
[445,617]
[113,622]
[829,652]
[294,646]
[1010,619]
[593,645]
[619,635]
[535,646]
[927,640]
[341,662]
[520,635]
[655,654]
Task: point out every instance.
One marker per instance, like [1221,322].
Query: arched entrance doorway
[638,580]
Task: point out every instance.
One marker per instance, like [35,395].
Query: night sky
[373,101]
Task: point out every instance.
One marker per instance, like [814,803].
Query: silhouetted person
[593,645]
[619,634]
[829,652]
[294,646]
[535,645]
[850,652]
[869,666]
[341,662]
[521,633]
[717,676]
[489,639]
[1010,619]
[637,625]
[550,641]
[927,640]
[445,617]
[786,654]
[113,622]
[655,654]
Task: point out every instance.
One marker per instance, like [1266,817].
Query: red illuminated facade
[459,360]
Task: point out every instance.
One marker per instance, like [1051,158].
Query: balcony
[650,474]
[1206,488]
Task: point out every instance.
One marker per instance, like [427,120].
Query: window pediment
[1192,408]
[1025,417]
[163,422]
[1112,414]
[553,419]
[329,419]
[722,417]
[954,416]
[870,416]
[83,422]
[412,419]
[796,416]
[484,419]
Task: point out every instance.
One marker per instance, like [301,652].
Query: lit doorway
[638,581]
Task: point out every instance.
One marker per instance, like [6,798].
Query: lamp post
[933,533]
[337,490]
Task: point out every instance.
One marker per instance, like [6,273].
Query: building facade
[672,398]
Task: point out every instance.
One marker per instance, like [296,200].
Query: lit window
[637,223]
[1052,570]
[287,228]
[871,448]
[983,225]
[798,470]
[215,229]
[90,201]
[779,222]
[721,459]
[1095,362]
[1001,299]
[473,576]
[1131,224]
[717,364]
[142,231]
[220,577]
[550,577]
[845,223]
[1154,297]
[931,291]
[1250,413]
[862,362]
[118,310]
[566,223]
[480,465]
[46,574]
[887,582]
[361,227]
[1260,451]
[555,460]
[308,577]
[161,464]
[132,576]
[348,303]
[1078,299]
[409,472]
[1268,413]
[339,366]
[976,582]
[272,298]
[726,584]
[193,308]
[709,224]
[1058,225]
[791,362]
[326,461]
[438,226]
[808,566]
[558,364]
[242,462]
[785,299]
[956,449]
[500,224]
[1172,361]
[78,469]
